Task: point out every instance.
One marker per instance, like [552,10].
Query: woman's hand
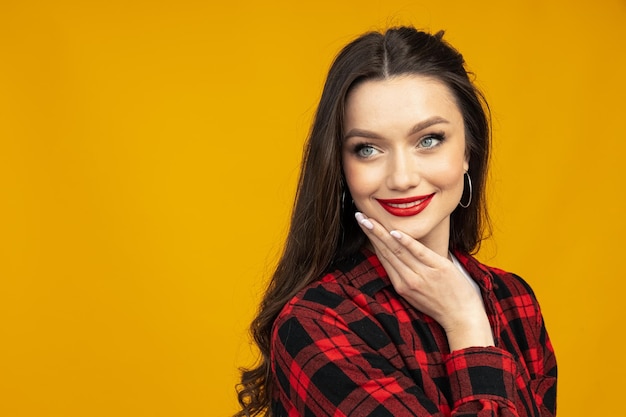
[432,284]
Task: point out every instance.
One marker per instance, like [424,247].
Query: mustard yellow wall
[148,156]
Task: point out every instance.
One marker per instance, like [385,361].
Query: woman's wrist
[472,332]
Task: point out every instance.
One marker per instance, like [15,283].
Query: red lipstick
[404,207]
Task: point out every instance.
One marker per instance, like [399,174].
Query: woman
[376,307]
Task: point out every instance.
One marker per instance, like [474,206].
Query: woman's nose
[403,173]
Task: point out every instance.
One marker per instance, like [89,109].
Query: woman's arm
[539,357]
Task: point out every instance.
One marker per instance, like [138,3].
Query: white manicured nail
[395,234]
[363,221]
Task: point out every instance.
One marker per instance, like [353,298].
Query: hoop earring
[469,181]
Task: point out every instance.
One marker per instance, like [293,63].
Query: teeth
[405,205]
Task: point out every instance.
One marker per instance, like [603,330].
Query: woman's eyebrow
[361,133]
[435,120]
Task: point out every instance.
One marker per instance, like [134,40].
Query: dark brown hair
[323,229]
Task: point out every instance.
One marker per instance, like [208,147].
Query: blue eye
[427,142]
[364,150]
[431,141]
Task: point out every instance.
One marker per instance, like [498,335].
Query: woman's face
[404,155]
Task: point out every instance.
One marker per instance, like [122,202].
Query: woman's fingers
[408,245]
[429,282]
[397,245]
[408,274]
[384,244]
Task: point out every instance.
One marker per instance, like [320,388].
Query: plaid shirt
[349,345]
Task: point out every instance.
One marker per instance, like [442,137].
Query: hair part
[323,229]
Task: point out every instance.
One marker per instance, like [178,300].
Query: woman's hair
[323,229]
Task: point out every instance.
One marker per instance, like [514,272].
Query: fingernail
[367,224]
[363,221]
[395,234]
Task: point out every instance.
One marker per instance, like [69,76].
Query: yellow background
[148,156]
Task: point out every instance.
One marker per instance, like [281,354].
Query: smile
[404,207]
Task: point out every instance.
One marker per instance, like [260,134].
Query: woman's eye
[430,141]
[365,151]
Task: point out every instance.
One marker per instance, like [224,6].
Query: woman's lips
[409,206]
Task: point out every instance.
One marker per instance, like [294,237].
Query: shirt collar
[479,272]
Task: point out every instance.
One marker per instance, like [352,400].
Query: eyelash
[440,137]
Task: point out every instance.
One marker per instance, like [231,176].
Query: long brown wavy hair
[323,229]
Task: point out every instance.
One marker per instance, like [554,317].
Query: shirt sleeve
[541,362]
[323,368]
[537,385]
[483,382]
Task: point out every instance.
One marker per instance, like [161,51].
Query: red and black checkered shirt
[349,345]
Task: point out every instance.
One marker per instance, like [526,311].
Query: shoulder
[344,298]
[510,290]
[341,287]
[510,286]
[513,298]
[502,282]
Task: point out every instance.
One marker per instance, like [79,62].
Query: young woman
[376,307]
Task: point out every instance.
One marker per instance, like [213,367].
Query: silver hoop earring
[469,181]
